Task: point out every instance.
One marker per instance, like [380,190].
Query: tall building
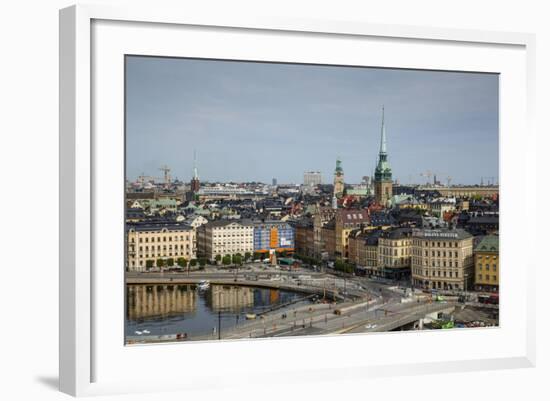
[382,173]
[338,179]
[442,259]
[195,183]
[312,178]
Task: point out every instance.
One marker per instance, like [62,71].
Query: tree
[218,258]
[182,262]
[170,262]
[160,262]
[237,259]
[226,260]
[202,262]
[247,256]
[257,255]
[149,263]
[193,262]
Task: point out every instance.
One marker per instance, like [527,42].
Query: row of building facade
[147,243]
[446,259]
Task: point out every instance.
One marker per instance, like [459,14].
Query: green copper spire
[383,169]
[338,169]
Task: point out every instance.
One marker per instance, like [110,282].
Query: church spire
[383,135]
[195,170]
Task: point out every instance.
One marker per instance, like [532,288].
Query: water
[172,309]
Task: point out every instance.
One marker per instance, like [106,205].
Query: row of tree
[308,260]
[343,266]
[180,262]
[236,259]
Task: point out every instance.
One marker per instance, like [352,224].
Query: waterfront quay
[336,304]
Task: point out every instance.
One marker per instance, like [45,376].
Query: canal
[153,310]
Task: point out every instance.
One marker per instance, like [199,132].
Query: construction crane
[166,170]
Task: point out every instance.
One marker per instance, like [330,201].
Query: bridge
[399,319]
[322,291]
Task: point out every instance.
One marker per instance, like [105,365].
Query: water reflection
[171,309]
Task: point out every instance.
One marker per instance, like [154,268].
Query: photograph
[271,199]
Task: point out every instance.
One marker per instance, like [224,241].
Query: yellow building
[363,250]
[487,264]
[394,252]
[149,242]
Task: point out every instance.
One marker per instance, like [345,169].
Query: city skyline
[257,121]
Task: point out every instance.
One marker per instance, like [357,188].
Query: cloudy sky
[257,121]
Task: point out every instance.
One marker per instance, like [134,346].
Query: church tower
[195,182]
[338,179]
[382,173]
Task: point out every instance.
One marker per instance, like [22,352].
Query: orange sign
[274,238]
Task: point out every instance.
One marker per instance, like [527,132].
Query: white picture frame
[85,355]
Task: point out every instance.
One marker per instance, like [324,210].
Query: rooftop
[489,243]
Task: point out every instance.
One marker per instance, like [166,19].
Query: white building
[225,237]
[312,178]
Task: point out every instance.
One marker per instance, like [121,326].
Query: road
[362,301]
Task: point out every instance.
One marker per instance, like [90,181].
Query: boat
[203,285]
[250,316]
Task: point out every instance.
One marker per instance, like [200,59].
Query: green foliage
[202,262]
[226,260]
[149,263]
[342,266]
[218,258]
[182,262]
[193,262]
[247,256]
[237,259]
[170,262]
[160,262]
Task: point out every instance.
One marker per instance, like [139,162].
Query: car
[370,326]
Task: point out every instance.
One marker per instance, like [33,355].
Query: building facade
[394,253]
[487,264]
[303,241]
[312,178]
[442,259]
[273,236]
[147,243]
[345,221]
[321,217]
[383,185]
[225,237]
